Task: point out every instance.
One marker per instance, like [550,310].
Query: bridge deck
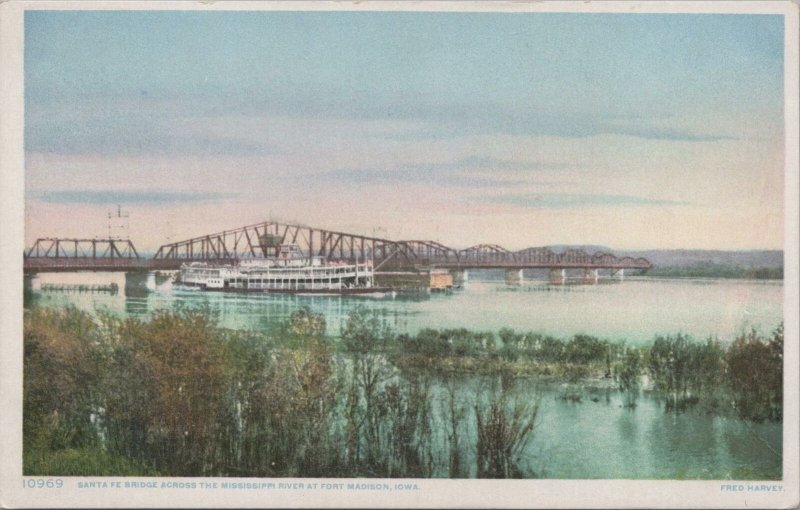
[52,264]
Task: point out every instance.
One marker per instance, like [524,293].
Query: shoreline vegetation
[176,395]
[705,269]
[717,271]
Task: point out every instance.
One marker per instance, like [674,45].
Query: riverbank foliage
[709,270]
[744,377]
[176,395]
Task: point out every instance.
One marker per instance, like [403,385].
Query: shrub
[755,375]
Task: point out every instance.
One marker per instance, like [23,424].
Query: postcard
[399,254]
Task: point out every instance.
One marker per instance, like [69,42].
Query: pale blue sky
[498,117]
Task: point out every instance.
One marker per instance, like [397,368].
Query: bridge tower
[119,224]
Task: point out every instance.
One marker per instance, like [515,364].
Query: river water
[596,438]
[634,310]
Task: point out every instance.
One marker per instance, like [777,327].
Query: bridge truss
[263,239]
[56,254]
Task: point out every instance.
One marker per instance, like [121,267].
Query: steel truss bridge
[60,255]
[263,240]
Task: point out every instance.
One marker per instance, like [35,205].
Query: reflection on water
[599,438]
[604,440]
[634,311]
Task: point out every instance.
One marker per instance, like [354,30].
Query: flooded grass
[177,395]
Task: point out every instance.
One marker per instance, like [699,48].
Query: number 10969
[42,483]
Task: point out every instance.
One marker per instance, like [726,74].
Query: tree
[669,364]
[165,389]
[61,378]
[628,374]
[505,426]
[755,375]
[584,349]
[707,372]
[366,337]
[305,323]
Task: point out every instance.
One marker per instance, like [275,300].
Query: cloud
[473,171]
[130,197]
[487,162]
[575,201]
[214,126]
[674,135]
[449,118]
[132,128]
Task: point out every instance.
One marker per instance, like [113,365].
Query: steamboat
[290,272]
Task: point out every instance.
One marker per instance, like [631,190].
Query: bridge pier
[33,282]
[136,283]
[514,277]
[460,277]
[558,277]
[591,276]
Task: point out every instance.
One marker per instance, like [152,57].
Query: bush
[628,374]
[61,377]
[755,375]
[505,425]
[305,323]
[585,349]
[669,367]
[166,382]
[87,461]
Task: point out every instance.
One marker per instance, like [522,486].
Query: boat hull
[359,291]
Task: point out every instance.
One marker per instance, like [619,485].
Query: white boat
[289,273]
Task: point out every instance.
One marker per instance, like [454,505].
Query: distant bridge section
[494,256]
[56,254]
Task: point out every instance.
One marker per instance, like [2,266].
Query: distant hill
[769,259]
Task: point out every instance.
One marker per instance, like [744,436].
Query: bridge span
[64,255]
[263,240]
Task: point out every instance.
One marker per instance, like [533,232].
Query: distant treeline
[694,270]
[718,271]
[176,395]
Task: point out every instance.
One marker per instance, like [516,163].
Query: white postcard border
[432,493]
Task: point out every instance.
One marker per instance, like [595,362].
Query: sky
[632,131]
